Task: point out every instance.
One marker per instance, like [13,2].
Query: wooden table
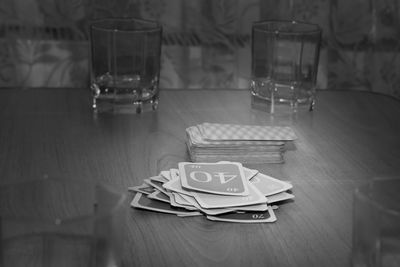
[349,138]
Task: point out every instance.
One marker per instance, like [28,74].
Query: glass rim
[312,28]
[120,200]
[100,24]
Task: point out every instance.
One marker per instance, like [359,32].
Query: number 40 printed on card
[215,178]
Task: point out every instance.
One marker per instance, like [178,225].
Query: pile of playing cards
[222,191]
[212,142]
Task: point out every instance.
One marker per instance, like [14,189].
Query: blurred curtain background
[44,43]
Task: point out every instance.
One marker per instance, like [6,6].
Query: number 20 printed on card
[215,178]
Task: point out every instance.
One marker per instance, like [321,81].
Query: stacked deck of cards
[223,191]
[212,142]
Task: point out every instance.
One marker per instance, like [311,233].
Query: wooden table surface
[349,138]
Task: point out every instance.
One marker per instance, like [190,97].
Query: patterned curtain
[364,45]
[206,43]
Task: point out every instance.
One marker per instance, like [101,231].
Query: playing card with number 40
[225,178]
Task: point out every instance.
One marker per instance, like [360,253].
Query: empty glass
[125,64]
[285,58]
[376,224]
[58,223]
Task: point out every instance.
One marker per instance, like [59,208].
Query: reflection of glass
[376,224]
[60,223]
[284,64]
[125,64]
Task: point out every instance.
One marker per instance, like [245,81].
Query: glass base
[272,106]
[101,105]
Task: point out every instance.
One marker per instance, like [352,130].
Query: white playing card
[269,185]
[279,197]
[156,184]
[180,199]
[160,196]
[174,185]
[143,188]
[166,175]
[142,202]
[218,211]
[250,173]
[210,201]
[174,203]
[267,216]
[159,178]
[174,173]
[192,214]
[257,207]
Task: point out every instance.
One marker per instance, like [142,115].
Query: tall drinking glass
[125,64]
[376,224]
[285,58]
[59,222]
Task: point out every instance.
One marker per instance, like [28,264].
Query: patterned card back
[216,131]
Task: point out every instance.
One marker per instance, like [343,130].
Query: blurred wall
[206,42]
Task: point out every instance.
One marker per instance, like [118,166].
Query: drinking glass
[376,224]
[51,222]
[285,58]
[125,64]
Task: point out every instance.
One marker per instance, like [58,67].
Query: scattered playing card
[256,207]
[211,201]
[159,178]
[269,185]
[180,199]
[279,197]
[206,211]
[250,173]
[267,216]
[144,188]
[216,178]
[166,175]
[175,186]
[142,202]
[160,196]
[156,184]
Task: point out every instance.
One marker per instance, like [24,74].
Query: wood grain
[349,138]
